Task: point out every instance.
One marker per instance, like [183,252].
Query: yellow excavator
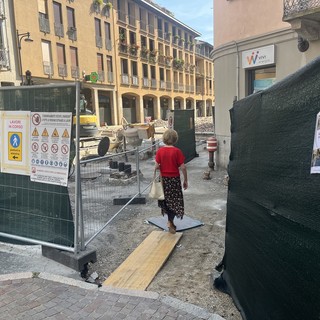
[88,120]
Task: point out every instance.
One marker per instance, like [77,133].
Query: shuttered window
[61,54]
[42,6]
[70,16]
[57,12]
[46,51]
[74,56]
[100,62]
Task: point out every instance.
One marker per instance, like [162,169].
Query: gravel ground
[187,275]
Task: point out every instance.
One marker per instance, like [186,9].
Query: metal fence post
[138,170]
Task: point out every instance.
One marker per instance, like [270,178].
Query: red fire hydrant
[212,146]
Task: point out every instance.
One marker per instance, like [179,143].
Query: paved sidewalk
[35,296]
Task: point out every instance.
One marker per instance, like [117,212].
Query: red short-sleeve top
[170,159]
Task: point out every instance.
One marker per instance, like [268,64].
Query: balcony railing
[44,24]
[153,83]
[125,79]
[293,7]
[168,85]
[48,68]
[72,33]
[162,84]
[58,29]
[75,72]
[135,80]
[145,82]
[62,70]
[110,76]
[101,75]
[4,58]
[108,44]
[99,42]
[2,11]
[123,48]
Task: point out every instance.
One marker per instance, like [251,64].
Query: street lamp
[26,37]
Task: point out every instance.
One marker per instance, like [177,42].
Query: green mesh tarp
[184,125]
[272,247]
[33,210]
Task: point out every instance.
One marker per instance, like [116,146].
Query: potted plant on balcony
[109,5]
[96,5]
[134,48]
[122,37]
[153,53]
[178,63]
[144,52]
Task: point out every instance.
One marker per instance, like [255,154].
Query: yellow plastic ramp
[139,269]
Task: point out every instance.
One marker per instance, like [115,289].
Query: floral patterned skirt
[173,204]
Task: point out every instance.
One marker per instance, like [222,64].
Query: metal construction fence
[109,184]
[70,216]
[31,211]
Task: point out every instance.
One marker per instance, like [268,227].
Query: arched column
[95,104]
[140,113]
[156,107]
[114,109]
[120,108]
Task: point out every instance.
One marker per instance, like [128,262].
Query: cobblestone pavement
[35,296]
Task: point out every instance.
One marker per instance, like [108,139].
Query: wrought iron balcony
[75,72]
[304,17]
[4,58]
[44,24]
[110,76]
[48,68]
[2,11]
[62,70]
[58,29]
[294,8]
[72,33]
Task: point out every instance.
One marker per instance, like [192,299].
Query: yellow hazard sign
[65,134]
[45,133]
[55,133]
[35,132]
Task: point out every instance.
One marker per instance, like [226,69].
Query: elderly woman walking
[170,160]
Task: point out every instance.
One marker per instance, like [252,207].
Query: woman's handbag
[156,191]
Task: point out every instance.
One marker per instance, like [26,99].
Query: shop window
[261,79]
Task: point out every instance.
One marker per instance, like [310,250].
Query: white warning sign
[50,148]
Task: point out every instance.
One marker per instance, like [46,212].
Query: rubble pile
[202,124]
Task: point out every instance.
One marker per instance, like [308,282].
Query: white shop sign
[258,57]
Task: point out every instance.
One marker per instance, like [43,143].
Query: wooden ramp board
[139,269]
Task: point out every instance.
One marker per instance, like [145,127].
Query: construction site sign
[14,142]
[50,151]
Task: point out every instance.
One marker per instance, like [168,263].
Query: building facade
[133,57]
[255,45]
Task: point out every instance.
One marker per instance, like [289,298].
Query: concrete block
[124,200]
[76,261]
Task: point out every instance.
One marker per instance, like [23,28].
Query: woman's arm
[185,176]
[157,166]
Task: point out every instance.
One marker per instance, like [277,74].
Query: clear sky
[197,14]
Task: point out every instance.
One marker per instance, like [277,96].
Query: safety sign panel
[14,142]
[50,147]
[315,160]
